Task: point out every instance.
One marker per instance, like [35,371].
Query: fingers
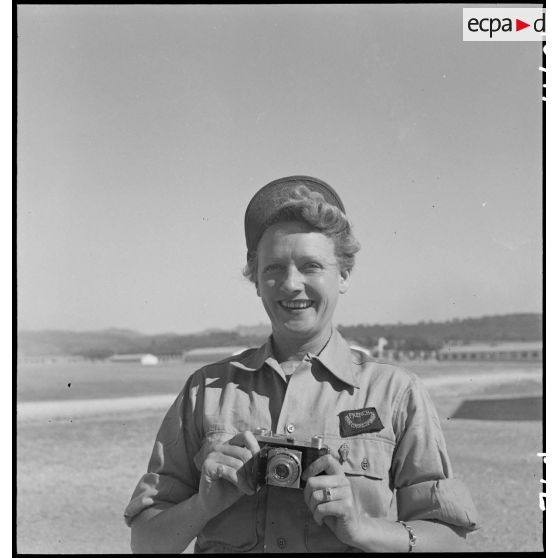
[326,464]
[325,494]
[228,461]
[220,466]
[325,481]
[238,452]
[335,508]
[330,502]
[334,478]
[328,495]
[216,458]
[330,509]
[243,439]
[247,440]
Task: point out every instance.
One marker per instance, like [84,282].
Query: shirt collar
[256,359]
[336,356]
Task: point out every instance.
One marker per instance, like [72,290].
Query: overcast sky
[143,132]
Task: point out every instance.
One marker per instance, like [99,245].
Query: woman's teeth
[296,304]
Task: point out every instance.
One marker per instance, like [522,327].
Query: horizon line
[266,324]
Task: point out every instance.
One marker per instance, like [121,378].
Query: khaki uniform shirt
[377,416]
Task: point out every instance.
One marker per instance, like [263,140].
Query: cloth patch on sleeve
[359,421]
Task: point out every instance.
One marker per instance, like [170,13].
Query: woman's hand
[330,499]
[224,474]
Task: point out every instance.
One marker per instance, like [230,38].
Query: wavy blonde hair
[310,207]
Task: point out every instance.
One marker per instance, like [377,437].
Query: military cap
[273,196]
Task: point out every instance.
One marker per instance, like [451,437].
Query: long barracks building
[516,350]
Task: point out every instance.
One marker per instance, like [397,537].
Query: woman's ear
[344,280]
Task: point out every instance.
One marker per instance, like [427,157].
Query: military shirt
[376,418]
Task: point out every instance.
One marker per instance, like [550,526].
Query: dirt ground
[75,474]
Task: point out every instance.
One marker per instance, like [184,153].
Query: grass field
[75,478]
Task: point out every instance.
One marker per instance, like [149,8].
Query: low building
[142,358]
[514,351]
[410,354]
[170,357]
[211,354]
[49,359]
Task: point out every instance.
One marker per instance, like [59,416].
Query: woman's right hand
[225,475]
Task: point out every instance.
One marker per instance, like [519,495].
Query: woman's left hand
[330,499]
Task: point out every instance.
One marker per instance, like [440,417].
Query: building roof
[131,356]
[494,347]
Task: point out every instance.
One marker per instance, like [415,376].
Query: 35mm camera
[282,459]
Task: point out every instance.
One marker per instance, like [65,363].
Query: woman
[377,421]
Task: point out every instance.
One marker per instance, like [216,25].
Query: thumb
[330,522]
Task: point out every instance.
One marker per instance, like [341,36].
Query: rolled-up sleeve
[421,471]
[171,473]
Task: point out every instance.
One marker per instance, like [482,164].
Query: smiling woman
[299,281]
[301,251]
[302,444]
[302,205]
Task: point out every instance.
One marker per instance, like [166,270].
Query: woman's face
[298,279]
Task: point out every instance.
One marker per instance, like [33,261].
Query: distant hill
[108,342]
[93,344]
[423,335]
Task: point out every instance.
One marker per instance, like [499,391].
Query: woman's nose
[293,280]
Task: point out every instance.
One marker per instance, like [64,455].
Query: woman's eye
[312,266]
[272,268]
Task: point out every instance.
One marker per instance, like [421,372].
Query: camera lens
[282,471]
[283,467]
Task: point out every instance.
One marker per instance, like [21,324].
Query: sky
[143,132]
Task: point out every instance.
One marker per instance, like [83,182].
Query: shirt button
[290,428]
[281,543]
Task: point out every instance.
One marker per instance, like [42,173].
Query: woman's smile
[296,304]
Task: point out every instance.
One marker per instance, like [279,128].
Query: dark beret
[273,196]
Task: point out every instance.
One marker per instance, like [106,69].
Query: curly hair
[311,208]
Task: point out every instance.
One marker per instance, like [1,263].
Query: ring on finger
[220,471]
[327,494]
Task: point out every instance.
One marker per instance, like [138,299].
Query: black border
[14,227]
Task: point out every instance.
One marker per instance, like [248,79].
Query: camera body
[282,459]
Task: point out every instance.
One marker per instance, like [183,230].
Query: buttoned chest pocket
[363,456]
[366,462]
